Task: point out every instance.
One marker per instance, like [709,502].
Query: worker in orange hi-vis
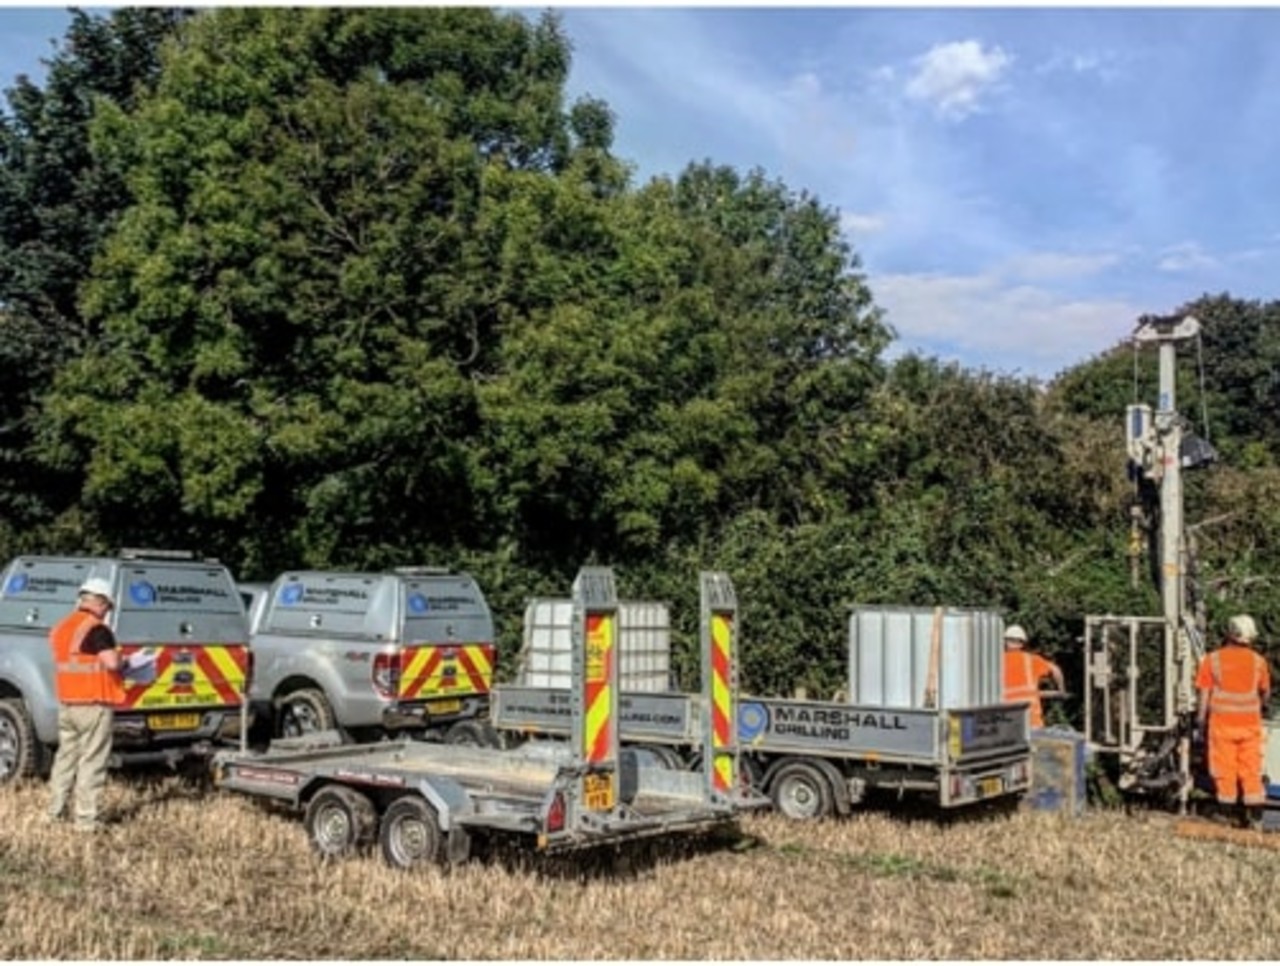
[1023,672]
[1233,683]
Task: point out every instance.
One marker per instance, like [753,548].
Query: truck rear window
[162,603]
[39,593]
[431,601]
[323,604]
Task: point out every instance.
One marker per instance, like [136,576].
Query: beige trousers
[84,746]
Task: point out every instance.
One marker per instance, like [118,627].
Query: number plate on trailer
[183,721]
[597,792]
[447,706]
[990,786]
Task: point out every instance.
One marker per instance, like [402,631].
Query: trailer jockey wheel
[340,821]
[410,835]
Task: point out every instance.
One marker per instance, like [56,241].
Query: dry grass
[191,876]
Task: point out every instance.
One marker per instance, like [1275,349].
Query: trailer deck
[427,800]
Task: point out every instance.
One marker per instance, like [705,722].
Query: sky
[1019,184]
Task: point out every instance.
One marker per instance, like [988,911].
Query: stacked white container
[925,657]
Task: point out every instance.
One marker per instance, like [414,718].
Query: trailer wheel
[410,834]
[19,750]
[800,791]
[341,821]
[475,734]
[304,712]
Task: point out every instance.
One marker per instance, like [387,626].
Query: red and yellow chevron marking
[449,670]
[211,675]
[596,696]
[721,698]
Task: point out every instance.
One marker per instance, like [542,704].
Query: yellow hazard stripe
[417,660]
[232,672]
[480,661]
[597,718]
[724,771]
[720,695]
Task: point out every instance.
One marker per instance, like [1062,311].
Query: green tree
[298,305]
[57,201]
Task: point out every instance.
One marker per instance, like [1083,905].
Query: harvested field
[190,875]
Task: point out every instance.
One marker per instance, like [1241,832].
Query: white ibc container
[644,645]
[923,657]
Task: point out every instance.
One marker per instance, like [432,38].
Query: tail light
[248,670]
[386,674]
[555,814]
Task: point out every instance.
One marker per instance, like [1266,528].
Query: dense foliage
[348,287]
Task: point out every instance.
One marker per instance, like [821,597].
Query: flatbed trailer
[426,802]
[813,758]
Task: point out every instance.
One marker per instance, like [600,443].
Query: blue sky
[1020,183]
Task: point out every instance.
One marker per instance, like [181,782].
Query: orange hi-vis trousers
[1235,756]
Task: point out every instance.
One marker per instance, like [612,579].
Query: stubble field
[185,874]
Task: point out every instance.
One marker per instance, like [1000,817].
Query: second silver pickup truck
[371,653]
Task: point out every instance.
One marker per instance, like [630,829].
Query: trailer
[427,803]
[929,721]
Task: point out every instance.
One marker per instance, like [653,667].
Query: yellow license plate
[185,721]
[450,706]
[597,792]
[990,786]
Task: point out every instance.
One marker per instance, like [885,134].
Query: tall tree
[297,306]
[57,201]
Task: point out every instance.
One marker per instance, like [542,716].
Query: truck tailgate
[642,716]
[983,732]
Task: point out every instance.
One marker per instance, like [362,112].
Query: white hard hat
[100,587]
[1014,632]
[1242,628]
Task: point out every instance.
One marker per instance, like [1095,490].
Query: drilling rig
[1139,696]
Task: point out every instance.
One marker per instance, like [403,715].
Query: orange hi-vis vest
[1022,673]
[81,678]
[1236,674]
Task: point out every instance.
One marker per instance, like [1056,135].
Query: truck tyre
[19,749]
[660,756]
[304,712]
[340,821]
[800,791]
[476,734]
[410,834]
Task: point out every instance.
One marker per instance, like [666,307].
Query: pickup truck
[370,654]
[176,616]
[961,746]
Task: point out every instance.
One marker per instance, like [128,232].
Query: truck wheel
[304,712]
[340,821]
[19,750]
[476,734]
[660,756]
[410,834]
[800,791]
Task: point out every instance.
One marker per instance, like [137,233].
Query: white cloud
[954,76]
[984,322]
[856,223]
[1040,266]
[1186,257]
[1105,65]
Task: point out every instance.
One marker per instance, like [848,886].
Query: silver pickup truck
[370,654]
[177,618]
